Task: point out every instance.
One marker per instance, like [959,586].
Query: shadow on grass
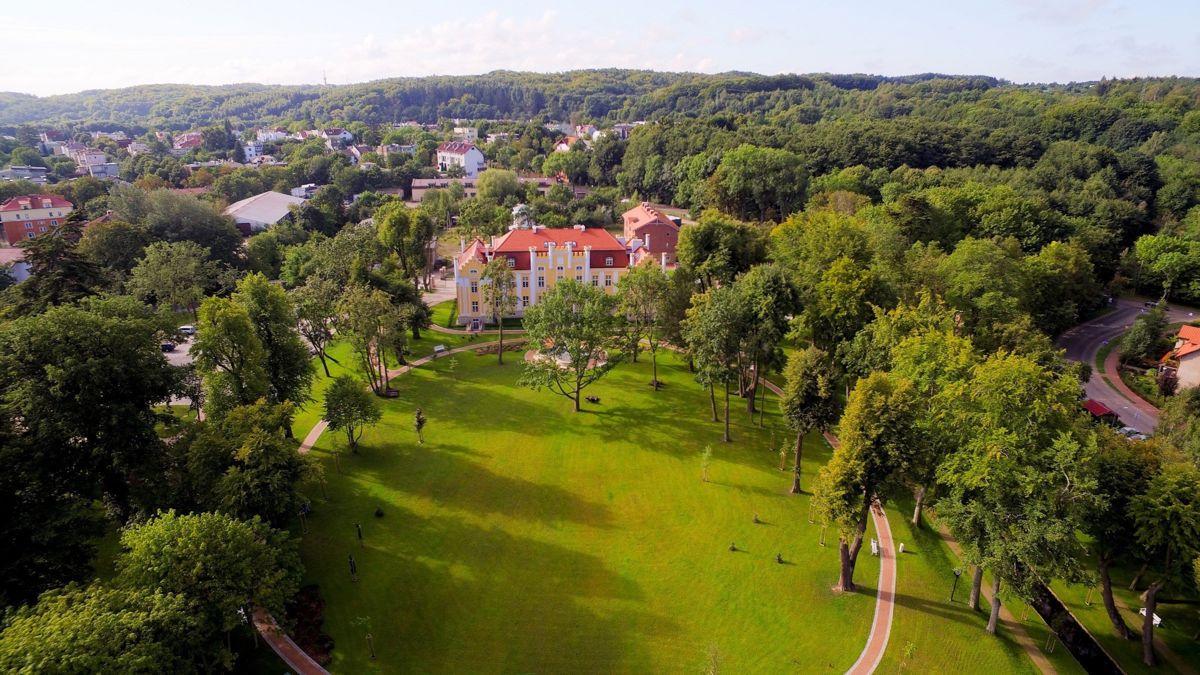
[452,580]
[441,474]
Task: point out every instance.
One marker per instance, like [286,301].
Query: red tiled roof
[21,202]
[596,237]
[644,213]
[11,254]
[456,147]
[1189,341]
[474,251]
[516,244]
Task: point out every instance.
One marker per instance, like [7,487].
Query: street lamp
[957,574]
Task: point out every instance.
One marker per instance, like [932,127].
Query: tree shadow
[441,474]
[470,598]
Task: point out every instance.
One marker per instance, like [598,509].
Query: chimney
[581,227]
[462,245]
[645,205]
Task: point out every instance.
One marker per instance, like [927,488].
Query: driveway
[1085,340]
[182,355]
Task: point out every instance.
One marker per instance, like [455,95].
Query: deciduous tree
[809,399]
[350,408]
[572,330]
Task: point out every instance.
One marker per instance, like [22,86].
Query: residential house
[336,137]
[187,141]
[422,185]
[566,143]
[540,258]
[499,136]
[466,134]
[260,212]
[589,131]
[457,153]
[26,216]
[389,149]
[252,150]
[305,191]
[89,157]
[656,234]
[1185,356]
[33,174]
[108,170]
[137,148]
[69,148]
[622,130]
[271,135]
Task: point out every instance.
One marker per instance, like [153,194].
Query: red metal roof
[1097,408]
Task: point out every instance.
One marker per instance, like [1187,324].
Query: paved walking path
[282,645]
[885,596]
[459,331]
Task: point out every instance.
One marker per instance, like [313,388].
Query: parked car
[1129,432]
[168,346]
[189,329]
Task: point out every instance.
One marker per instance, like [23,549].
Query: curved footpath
[885,596]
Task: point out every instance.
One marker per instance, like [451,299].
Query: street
[1085,340]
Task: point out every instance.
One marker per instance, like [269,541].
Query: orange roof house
[539,257]
[655,230]
[1187,354]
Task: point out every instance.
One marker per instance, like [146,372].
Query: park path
[885,596]
[283,646]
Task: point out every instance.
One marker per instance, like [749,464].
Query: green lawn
[1181,620]
[345,362]
[942,633]
[523,537]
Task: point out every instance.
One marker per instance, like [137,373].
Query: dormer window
[608,261]
[512,262]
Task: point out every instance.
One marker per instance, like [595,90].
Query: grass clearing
[523,537]
[1181,620]
[943,633]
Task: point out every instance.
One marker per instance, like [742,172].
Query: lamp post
[957,574]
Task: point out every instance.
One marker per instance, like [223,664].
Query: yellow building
[539,257]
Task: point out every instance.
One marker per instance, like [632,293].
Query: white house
[271,135]
[336,137]
[457,153]
[466,134]
[252,149]
[260,212]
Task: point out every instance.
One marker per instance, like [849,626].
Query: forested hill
[598,95]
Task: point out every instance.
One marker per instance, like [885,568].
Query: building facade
[539,258]
[1186,355]
[26,216]
[456,153]
[657,233]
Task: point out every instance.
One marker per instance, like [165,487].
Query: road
[1085,340]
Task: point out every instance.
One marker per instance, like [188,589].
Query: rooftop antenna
[324,78]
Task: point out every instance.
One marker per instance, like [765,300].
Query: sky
[85,44]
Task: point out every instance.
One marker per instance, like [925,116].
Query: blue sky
[86,44]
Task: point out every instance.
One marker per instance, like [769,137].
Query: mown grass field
[523,537]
